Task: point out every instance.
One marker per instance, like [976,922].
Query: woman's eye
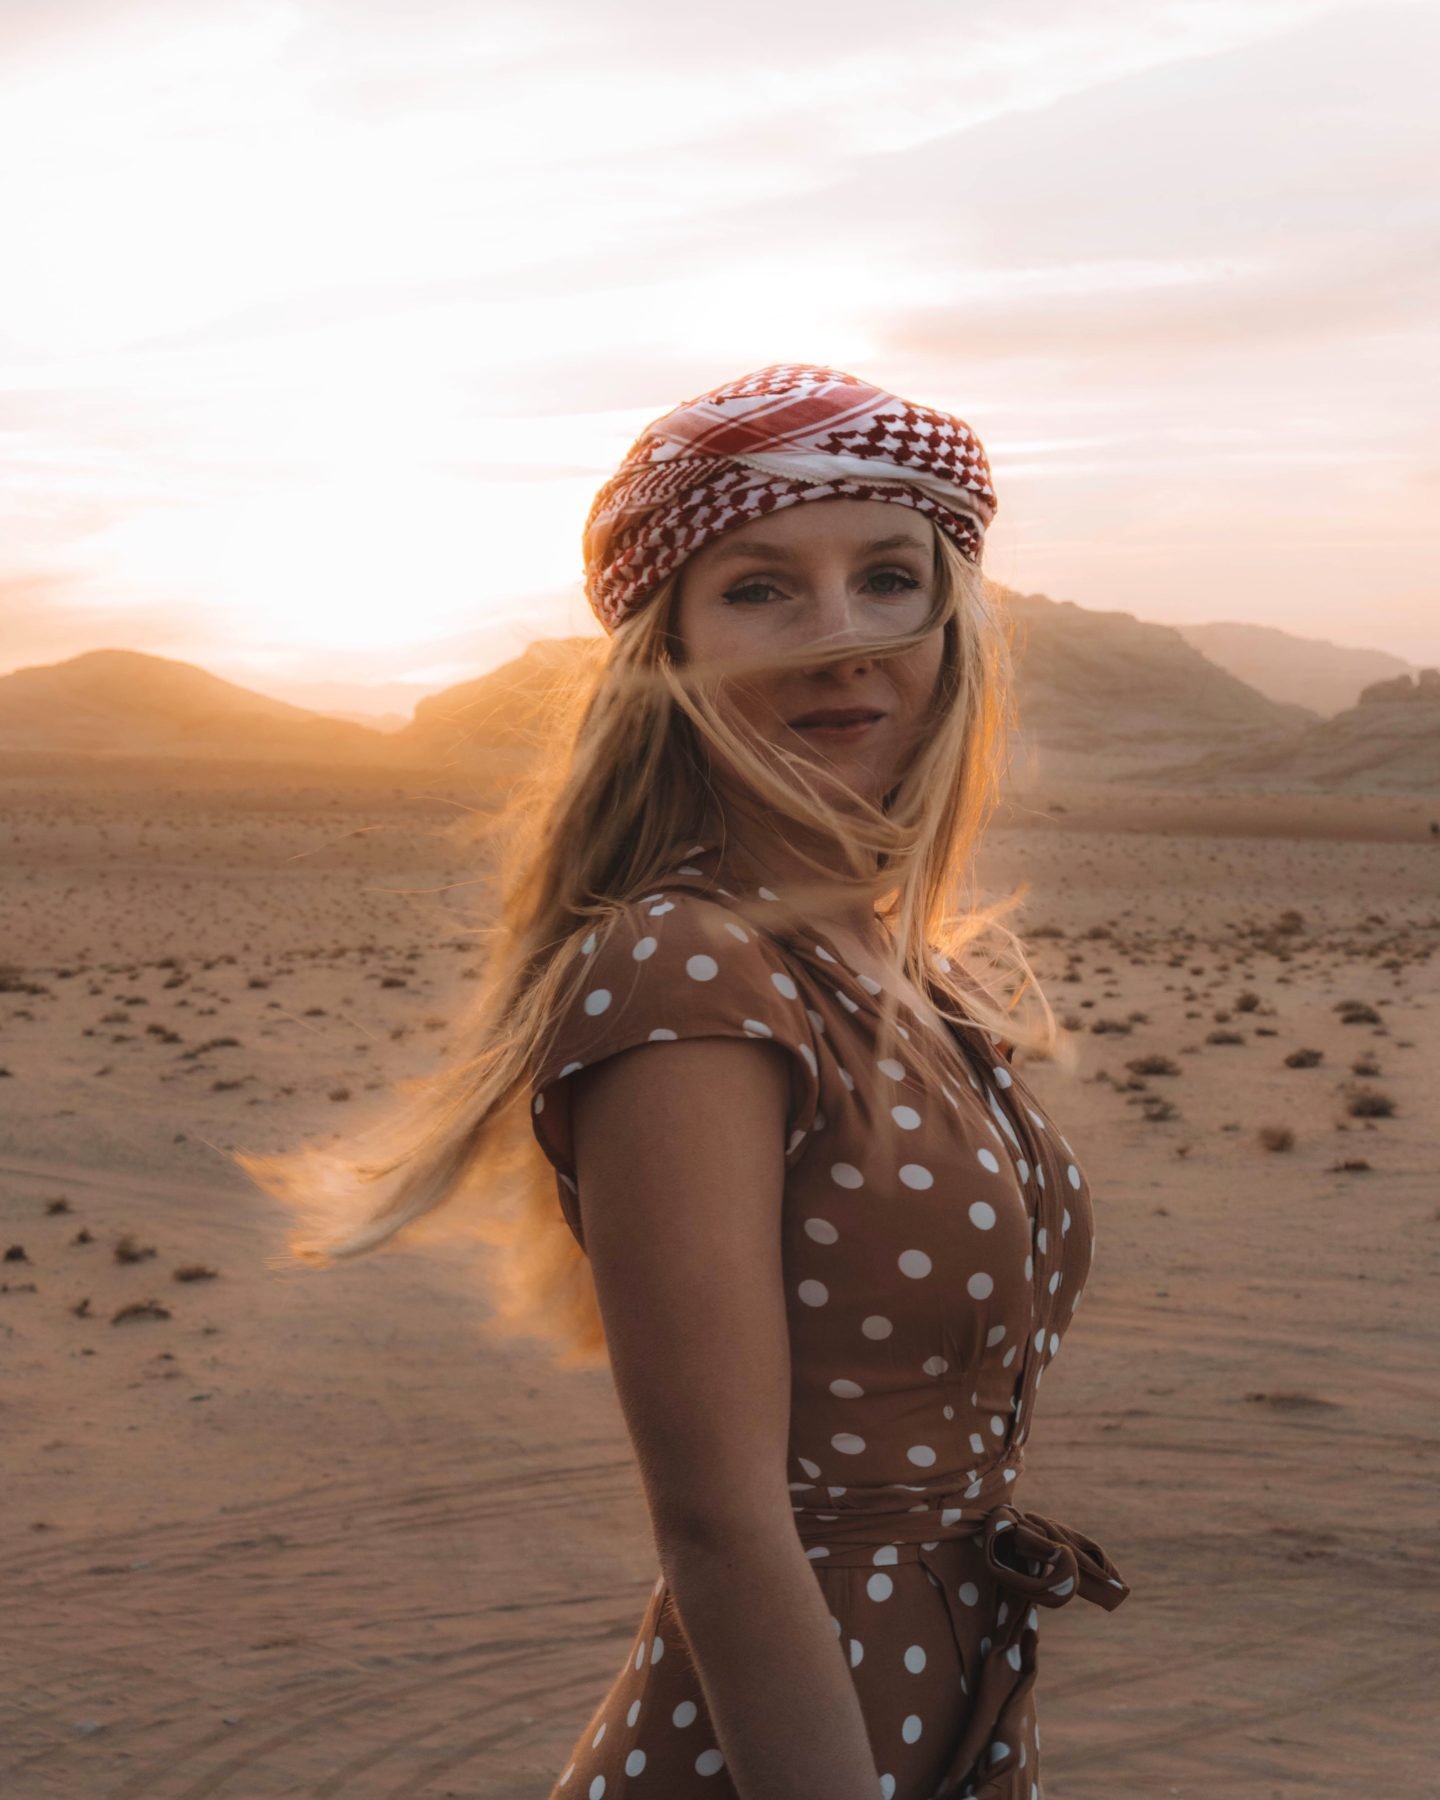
[738,596]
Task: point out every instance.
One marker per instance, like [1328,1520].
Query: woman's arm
[679,1158]
[772,1668]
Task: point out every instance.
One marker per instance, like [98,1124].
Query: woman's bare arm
[678,1151]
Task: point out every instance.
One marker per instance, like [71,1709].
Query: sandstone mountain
[1284,665]
[1101,696]
[1389,743]
[128,703]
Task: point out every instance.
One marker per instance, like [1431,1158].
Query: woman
[825,1236]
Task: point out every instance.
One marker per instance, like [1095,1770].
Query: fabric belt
[1035,1562]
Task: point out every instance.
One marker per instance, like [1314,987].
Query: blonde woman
[741,1117]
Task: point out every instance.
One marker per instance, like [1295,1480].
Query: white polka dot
[915,1659]
[758,1028]
[887,1787]
[597,1737]
[1023,1169]
[982,1215]
[1003,1077]
[857,1653]
[1009,1356]
[1055,1344]
[657,1649]
[597,1000]
[1029,1267]
[911,1729]
[1072,1175]
[969,1593]
[935,1365]
[1041,1240]
[880,1587]
[994,1336]
[597,1787]
[568,1773]
[916,1175]
[1040,1341]
[952,1515]
[1065,1222]
[784,985]
[846,1175]
[905,1117]
[684,1714]
[886,1556]
[980,1287]
[999,1751]
[977,1443]
[847,1443]
[876,1326]
[634,1713]
[846,1390]
[639,1655]
[922,1455]
[988,1160]
[661,1034]
[997,1424]
[635,1762]
[709,1762]
[915,1263]
[701,968]
[813,1293]
[645,949]
[821,1230]
[665,906]
[888,1066]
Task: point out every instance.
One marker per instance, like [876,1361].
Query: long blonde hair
[620,789]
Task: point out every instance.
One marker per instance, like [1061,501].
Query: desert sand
[287,1533]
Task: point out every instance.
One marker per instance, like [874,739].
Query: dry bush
[140,1309]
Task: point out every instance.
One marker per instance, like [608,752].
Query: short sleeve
[672,965]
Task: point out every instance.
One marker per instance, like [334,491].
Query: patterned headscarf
[788,433]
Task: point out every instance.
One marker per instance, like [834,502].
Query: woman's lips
[853,728]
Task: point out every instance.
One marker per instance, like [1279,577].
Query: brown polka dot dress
[928,1288]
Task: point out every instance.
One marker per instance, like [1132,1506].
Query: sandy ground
[311,1534]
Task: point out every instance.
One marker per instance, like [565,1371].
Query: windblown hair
[622,787]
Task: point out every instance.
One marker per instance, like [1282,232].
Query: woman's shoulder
[678,961]
[681,959]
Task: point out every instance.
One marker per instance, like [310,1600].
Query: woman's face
[821,573]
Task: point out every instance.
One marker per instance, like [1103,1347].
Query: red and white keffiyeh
[784,434]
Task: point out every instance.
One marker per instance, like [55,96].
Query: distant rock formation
[1426,689]
[1289,667]
[1101,696]
[122,703]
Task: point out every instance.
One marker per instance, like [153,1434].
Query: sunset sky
[322,322]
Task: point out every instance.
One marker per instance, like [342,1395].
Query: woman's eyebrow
[781,552]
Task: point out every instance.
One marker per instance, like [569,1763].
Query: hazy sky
[321,322]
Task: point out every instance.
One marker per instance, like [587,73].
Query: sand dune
[290,1534]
